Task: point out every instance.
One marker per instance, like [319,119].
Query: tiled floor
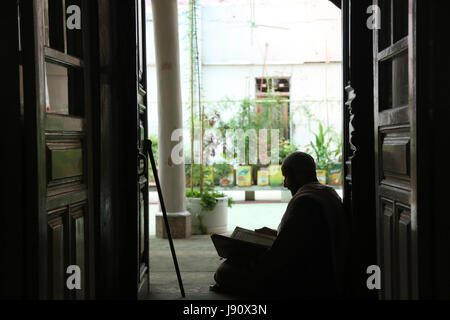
[249,215]
[197,259]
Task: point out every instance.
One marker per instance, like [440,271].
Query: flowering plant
[286,148]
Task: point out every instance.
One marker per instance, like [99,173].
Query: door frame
[31,198]
[358,144]
[118,266]
[12,267]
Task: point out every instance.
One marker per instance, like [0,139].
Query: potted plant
[286,147]
[263,177]
[154,140]
[223,174]
[321,152]
[209,210]
[335,173]
[275,175]
[244,176]
[208,175]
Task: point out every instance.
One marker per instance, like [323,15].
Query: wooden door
[57,118]
[395,148]
[143,214]
[124,247]
[358,143]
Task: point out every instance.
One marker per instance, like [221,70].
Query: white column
[170,113]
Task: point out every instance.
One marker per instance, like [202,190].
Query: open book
[242,243]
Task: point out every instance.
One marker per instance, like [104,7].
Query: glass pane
[46,25]
[64,90]
[54,24]
[400,86]
[74,28]
[56,94]
[385,85]
[393,82]
[384,33]
[400,19]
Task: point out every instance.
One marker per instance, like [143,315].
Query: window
[272,97]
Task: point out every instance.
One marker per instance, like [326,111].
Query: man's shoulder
[304,202]
[316,193]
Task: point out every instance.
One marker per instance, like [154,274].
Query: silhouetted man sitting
[308,258]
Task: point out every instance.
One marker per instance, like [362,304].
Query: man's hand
[267,231]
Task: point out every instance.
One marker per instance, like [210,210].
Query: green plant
[201,226]
[321,147]
[208,201]
[222,170]
[208,198]
[337,154]
[195,181]
[154,140]
[286,148]
[267,113]
[244,119]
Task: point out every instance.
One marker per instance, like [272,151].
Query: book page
[252,236]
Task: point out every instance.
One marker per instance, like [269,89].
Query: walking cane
[148,147]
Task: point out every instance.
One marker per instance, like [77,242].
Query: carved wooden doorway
[58,123]
[395,148]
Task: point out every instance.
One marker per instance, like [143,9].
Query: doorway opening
[274,72]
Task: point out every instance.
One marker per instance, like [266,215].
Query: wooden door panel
[66,243]
[141,225]
[79,253]
[56,246]
[64,162]
[65,144]
[394,133]
[142,161]
[396,249]
[387,249]
[404,250]
[394,157]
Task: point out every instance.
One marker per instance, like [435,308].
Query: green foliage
[154,140]
[201,226]
[222,170]
[254,114]
[269,115]
[230,202]
[208,198]
[321,147]
[286,148]
[196,181]
[208,201]
[338,152]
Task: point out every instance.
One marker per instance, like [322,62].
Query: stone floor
[197,259]
[266,211]
[250,214]
[197,256]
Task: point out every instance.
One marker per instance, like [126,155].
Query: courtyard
[197,257]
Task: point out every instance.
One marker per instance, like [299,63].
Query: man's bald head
[299,168]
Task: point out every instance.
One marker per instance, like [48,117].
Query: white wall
[296,31]
[232,54]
